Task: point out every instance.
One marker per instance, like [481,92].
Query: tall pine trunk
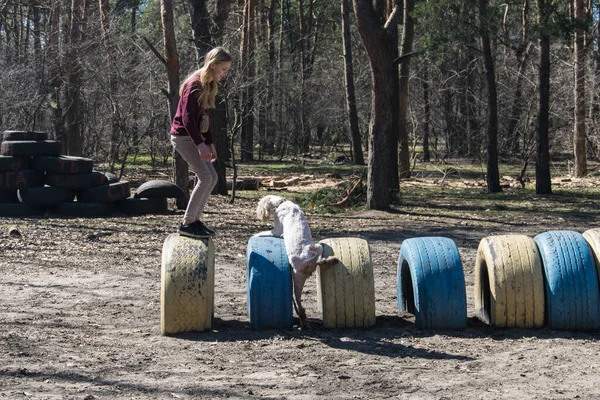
[543,184]
[73,137]
[579,133]
[171,58]
[407,46]
[357,153]
[493,174]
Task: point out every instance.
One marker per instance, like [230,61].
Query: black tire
[106,193]
[45,196]
[9,163]
[76,182]
[30,148]
[12,180]
[85,210]
[67,165]
[139,206]
[24,135]
[18,210]
[111,178]
[159,188]
[9,196]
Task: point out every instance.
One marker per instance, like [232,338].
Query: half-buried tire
[571,282]
[346,290]
[45,196]
[509,282]
[269,284]
[159,188]
[187,284]
[139,206]
[430,283]
[592,237]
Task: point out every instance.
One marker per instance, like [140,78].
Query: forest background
[387,83]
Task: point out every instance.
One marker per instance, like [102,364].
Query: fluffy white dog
[304,255]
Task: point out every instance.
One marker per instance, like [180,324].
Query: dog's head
[266,207]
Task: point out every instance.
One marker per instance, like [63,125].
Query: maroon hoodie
[189,114]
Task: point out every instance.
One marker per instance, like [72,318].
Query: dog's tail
[328,261]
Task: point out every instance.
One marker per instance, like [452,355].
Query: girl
[192,139]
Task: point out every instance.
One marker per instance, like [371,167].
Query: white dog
[304,255]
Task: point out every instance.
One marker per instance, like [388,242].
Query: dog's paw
[328,261]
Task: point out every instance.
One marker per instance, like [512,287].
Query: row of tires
[550,280]
[35,179]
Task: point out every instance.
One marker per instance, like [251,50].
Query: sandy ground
[80,318]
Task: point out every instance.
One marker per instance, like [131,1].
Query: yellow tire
[346,290]
[592,237]
[187,284]
[509,282]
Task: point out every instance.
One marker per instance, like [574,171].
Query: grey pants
[204,170]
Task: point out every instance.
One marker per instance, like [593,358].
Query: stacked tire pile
[35,178]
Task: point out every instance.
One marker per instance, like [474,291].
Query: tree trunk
[381,46]
[113,86]
[427,114]
[493,175]
[579,133]
[247,68]
[171,56]
[407,46]
[200,29]
[543,184]
[73,138]
[357,153]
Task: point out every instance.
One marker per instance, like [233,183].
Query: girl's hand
[205,153]
[213,152]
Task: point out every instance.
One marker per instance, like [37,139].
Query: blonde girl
[192,139]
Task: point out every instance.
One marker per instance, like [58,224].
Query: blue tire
[431,283]
[269,284]
[571,282]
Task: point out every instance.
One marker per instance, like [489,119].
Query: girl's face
[219,70]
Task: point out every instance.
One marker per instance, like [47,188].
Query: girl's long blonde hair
[208,84]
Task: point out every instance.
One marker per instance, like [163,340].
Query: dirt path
[80,318]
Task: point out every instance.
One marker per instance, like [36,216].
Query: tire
[24,135]
[159,188]
[571,281]
[45,196]
[509,282]
[430,283]
[76,182]
[187,284]
[30,148]
[110,193]
[269,284]
[111,178]
[346,290]
[9,163]
[84,210]
[9,196]
[64,165]
[23,179]
[592,237]
[18,210]
[139,206]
